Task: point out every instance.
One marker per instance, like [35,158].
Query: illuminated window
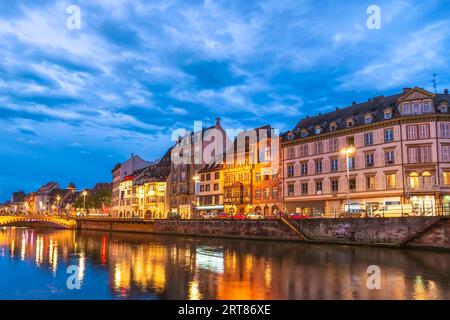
[414,180]
[390,181]
[370,182]
[446,175]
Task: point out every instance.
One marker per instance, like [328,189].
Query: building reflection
[169,267]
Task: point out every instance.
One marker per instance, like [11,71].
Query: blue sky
[75,102]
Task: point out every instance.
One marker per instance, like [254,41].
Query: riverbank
[415,232]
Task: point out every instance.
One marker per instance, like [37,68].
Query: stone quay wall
[426,232]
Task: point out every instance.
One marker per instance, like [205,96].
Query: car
[239,216]
[298,216]
[210,215]
[255,216]
[223,215]
[173,215]
[353,214]
[395,211]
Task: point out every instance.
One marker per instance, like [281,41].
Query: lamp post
[84,201]
[57,202]
[347,152]
[196,179]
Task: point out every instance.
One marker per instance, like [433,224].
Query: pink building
[399,153]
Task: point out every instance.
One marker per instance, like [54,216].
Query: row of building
[391,150]
[51,198]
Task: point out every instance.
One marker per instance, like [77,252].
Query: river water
[66,264]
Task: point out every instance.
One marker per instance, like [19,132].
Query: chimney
[445,91]
[405,90]
[217,121]
[353,103]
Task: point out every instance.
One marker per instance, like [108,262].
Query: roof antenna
[434,82]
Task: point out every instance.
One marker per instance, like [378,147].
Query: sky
[76,101]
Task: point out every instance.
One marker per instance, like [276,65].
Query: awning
[217,207]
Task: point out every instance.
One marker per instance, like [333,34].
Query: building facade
[210,189]
[398,151]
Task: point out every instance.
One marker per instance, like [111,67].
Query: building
[398,151]
[191,153]
[119,172]
[210,193]
[252,180]
[43,199]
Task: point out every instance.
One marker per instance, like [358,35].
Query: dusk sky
[74,102]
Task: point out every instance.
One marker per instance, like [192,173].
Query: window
[258,193]
[318,186]
[291,152]
[446,175]
[304,133]
[352,184]
[444,108]
[207,187]
[275,193]
[290,167]
[351,163]
[290,172]
[334,185]
[290,188]
[202,188]
[427,106]
[266,193]
[445,130]
[333,145]
[390,181]
[202,177]
[368,120]
[368,138]
[304,188]
[413,155]
[350,141]
[304,167]
[318,166]
[424,131]
[216,186]
[318,147]
[350,123]
[333,127]
[318,130]
[389,135]
[304,150]
[425,154]
[389,157]
[216,175]
[387,115]
[370,159]
[370,182]
[406,108]
[208,176]
[446,153]
[411,132]
[334,164]
[416,107]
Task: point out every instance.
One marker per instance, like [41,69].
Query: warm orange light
[348,151]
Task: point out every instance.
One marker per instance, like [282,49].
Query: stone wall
[380,231]
[273,229]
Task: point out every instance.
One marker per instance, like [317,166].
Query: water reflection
[167,267]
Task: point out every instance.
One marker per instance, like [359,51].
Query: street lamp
[196,179]
[347,152]
[57,201]
[84,201]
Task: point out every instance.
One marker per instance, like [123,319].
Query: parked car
[210,215]
[353,214]
[298,216]
[239,216]
[394,210]
[255,216]
[173,215]
[223,215]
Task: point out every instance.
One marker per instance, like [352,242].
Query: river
[67,264]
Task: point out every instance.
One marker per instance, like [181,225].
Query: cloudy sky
[73,102]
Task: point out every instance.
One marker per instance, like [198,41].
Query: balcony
[422,188]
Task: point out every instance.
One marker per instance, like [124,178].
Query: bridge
[52,221]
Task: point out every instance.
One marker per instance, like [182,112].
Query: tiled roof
[356,111]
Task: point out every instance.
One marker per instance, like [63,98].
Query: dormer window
[290,135]
[427,106]
[333,126]
[388,114]
[444,108]
[304,133]
[318,130]
[350,123]
[416,108]
[406,108]
[368,118]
